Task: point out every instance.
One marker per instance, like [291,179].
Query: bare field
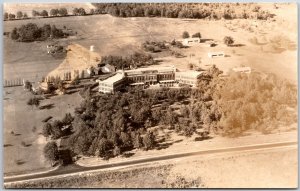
[21,119]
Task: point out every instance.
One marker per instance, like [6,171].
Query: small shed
[216,54]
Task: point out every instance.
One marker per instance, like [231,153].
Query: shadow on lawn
[48,106]
[19,162]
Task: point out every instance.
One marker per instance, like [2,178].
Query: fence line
[12,83]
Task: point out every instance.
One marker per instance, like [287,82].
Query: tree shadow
[237,45]
[48,106]
[47,119]
[203,138]
[206,39]
[127,154]
[19,162]
[72,91]
[161,146]
[8,145]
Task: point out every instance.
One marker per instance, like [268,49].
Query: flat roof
[115,78]
[241,68]
[154,69]
[189,73]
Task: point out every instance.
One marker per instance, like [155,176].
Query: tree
[81,11]
[5,16]
[35,13]
[149,140]
[25,16]
[51,152]
[116,151]
[67,119]
[138,141]
[75,11]
[125,138]
[19,14]
[11,16]
[185,34]
[196,35]
[228,40]
[15,35]
[53,12]
[34,101]
[92,11]
[47,128]
[63,12]
[44,13]
[56,131]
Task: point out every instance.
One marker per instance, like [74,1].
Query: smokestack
[92,48]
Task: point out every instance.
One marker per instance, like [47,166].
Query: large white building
[188,77]
[112,84]
[164,76]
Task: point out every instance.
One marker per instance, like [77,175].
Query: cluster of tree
[51,152]
[79,11]
[228,40]
[134,60]
[34,101]
[154,46]
[255,102]
[31,32]
[108,125]
[185,10]
[57,128]
[10,16]
[185,34]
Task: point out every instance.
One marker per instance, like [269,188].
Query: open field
[123,36]
[21,118]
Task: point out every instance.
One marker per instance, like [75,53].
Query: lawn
[21,119]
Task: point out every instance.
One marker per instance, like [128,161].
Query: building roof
[213,53]
[189,73]
[115,78]
[241,69]
[192,38]
[150,70]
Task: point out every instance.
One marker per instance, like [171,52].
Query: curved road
[77,169]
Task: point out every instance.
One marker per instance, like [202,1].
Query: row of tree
[134,60]
[185,10]
[62,12]
[31,32]
[175,10]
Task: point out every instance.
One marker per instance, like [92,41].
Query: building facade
[188,78]
[112,84]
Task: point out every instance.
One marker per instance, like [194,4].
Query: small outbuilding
[216,54]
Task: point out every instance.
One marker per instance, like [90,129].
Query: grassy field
[21,119]
[122,36]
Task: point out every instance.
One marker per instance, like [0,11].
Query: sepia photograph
[150,95]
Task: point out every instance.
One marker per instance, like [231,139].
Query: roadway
[73,169]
